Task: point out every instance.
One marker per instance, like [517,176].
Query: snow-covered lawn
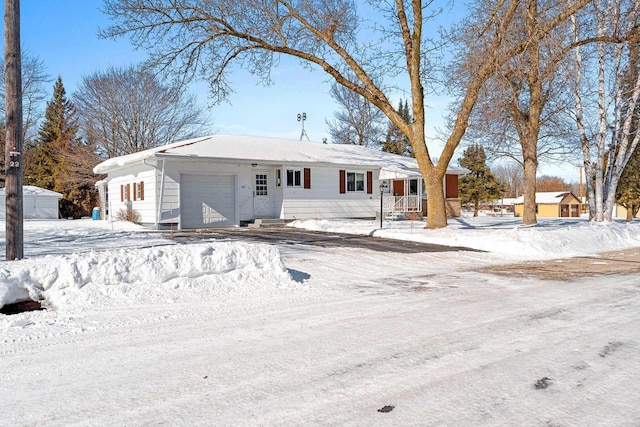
[141,330]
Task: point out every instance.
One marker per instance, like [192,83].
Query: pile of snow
[84,263]
[132,276]
[504,236]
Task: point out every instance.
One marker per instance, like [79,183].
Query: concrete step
[267,222]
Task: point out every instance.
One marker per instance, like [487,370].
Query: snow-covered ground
[142,330]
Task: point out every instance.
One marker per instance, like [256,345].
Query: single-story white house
[223,180]
[37,203]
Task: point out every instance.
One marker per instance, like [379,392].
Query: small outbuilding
[557,204]
[37,203]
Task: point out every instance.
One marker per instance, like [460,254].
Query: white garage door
[207,201]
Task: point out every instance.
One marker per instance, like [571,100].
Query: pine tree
[59,161]
[480,185]
[396,141]
[628,191]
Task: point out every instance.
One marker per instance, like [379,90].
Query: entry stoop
[267,222]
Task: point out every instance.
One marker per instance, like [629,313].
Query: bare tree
[607,132]
[205,37]
[34,93]
[512,175]
[493,124]
[125,110]
[358,122]
[551,183]
[524,103]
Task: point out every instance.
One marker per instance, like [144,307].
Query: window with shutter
[307,178]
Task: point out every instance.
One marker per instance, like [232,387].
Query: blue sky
[63,34]
[70,48]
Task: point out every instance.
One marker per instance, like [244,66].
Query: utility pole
[13,123]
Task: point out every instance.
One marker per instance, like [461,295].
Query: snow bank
[134,275]
[504,236]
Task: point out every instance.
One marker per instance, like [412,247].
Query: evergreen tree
[59,161]
[396,141]
[480,185]
[628,191]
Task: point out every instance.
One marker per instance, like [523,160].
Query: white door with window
[261,208]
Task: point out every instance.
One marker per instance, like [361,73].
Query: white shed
[37,203]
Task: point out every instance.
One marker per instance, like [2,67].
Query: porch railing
[401,204]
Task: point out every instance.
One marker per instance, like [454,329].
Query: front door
[398,187]
[261,195]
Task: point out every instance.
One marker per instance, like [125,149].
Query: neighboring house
[223,180]
[620,211]
[558,204]
[37,203]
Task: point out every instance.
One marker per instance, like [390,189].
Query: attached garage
[208,201]
[37,203]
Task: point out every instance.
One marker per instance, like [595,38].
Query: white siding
[323,199]
[146,208]
[34,207]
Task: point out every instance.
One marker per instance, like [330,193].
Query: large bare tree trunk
[530,169]
[436,211]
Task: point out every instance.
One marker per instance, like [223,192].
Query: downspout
[161,197]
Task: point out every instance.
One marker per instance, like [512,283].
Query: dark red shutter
[141,190]
[307,178]
[369,182]
[135,191]
[121,193]
[343,181]
[451,186]
[128,192]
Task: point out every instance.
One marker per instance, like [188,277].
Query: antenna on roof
[301,118]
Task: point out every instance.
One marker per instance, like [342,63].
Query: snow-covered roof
[32,190]
[545,197]
[271,151]
[504,201]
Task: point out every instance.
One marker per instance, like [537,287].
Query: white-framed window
[278,177]
[125,195]
[139,191]
[262,185]
[413,187]
[294,177]
[355,181]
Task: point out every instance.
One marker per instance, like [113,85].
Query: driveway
[295,236]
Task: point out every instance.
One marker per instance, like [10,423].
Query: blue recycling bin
[95,215]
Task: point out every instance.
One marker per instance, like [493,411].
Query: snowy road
[144,331]
[440,341]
